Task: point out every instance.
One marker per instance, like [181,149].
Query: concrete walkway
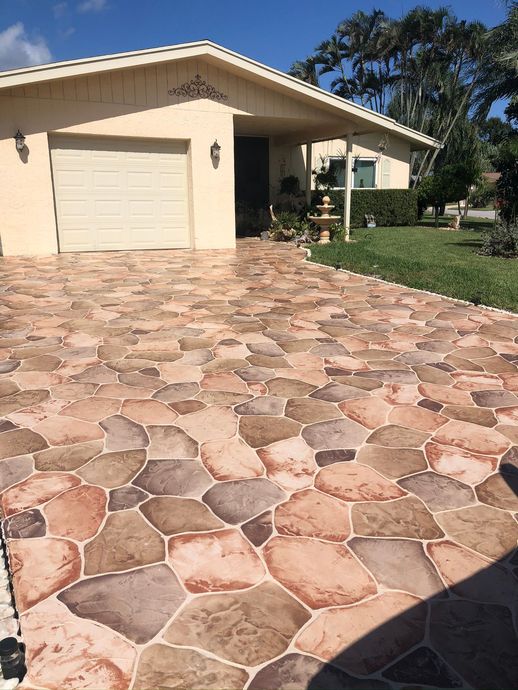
[233,469]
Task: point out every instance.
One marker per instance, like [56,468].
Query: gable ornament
[198,88]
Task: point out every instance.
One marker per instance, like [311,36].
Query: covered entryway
[114,194]
[251,183]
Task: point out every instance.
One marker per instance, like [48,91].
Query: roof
[217,54]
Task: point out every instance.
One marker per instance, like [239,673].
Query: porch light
[215,150]
[20,141]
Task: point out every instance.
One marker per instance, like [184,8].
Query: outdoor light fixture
[20,141]
[214,150]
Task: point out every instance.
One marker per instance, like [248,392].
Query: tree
[450,183]
[507,184]
[499,68]
[422,69]
[306,70]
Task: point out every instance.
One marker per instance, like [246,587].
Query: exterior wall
[129,103]
[365,146]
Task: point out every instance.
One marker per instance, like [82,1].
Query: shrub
[289,185]
[501,240]
[391,207]
[449,183]
[507,184]
[483,194]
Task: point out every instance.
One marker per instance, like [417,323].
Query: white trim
[358,158]
[117,61]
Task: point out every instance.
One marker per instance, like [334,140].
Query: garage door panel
[116,194]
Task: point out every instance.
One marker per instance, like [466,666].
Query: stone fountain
[324,220]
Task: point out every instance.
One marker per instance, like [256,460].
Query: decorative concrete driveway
[222,469]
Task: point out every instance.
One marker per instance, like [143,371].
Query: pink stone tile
[289,463]
[398,394]
[467,467]
[173,372]
[318,573]
[64,431]
[56,562]
[505,415]
[226,381]
[77,513]
[92,409]
[475,381]
[231,459]
[369,412]
[472,437]
[31,416]
[352,482]
[215,561]
[336,631]
[148,412]
[35,490]
[67,653]
[38,379]
[416,418]
[445,394]
[310,513]
[210,424]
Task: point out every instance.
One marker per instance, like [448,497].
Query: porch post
[348,187]
[309,177]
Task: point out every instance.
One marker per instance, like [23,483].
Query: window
[364,177]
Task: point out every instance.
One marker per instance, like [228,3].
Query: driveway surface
[221,470]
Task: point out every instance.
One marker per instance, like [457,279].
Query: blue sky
[274,32]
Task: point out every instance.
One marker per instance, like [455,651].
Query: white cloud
[92,6]
[17,49]
[59,9]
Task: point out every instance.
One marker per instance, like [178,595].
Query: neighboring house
[120,151]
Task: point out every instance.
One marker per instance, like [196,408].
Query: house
[380,161]
[153,149]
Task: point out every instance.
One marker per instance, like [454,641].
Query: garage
[113,193]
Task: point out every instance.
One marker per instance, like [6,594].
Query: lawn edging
[307,258]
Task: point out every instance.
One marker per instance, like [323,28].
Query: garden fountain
[324,220]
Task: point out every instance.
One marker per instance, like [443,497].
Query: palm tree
[306,70]
[499,78]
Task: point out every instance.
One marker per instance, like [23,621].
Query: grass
[442,261]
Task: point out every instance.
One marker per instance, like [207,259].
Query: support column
[309,176]
[348,187]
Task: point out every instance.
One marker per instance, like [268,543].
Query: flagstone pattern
[223,469]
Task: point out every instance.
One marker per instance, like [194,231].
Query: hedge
[390,207]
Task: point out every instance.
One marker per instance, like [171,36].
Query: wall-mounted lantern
[215,151]
[20,141]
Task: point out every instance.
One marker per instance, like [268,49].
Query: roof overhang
[360,120]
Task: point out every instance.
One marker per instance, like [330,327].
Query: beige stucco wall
[129,103]
[28,224]
[366,145]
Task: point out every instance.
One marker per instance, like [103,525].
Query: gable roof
[217,54]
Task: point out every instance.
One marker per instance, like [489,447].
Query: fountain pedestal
[324,220]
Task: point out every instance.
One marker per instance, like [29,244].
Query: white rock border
[9,622]
[406,287]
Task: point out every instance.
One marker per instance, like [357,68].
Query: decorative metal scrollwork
[198,88]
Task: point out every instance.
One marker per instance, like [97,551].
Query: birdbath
[325,220]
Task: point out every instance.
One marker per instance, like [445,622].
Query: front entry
[251,169]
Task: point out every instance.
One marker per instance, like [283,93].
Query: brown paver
[224,469]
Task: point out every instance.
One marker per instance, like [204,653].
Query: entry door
[114,193]
[251,162]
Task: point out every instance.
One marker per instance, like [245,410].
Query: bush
[483,194]
[391,207]
[502,240]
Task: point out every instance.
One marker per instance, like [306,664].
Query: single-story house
[152,149]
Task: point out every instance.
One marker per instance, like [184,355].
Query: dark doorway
[251,169]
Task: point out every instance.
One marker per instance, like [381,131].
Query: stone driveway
[221,470]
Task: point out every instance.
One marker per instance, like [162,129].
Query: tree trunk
[436,216]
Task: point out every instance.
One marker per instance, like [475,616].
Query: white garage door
[116,193]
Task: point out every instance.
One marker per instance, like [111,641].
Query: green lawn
[441,261]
